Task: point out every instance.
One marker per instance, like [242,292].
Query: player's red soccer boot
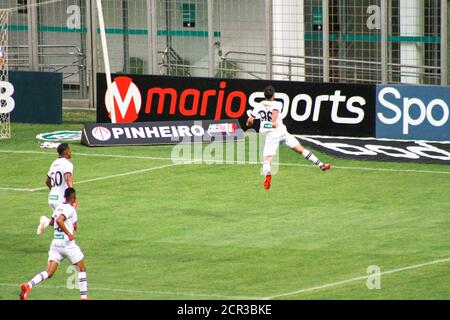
[267,182]
[326,167]
[25,291]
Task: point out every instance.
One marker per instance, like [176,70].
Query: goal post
[109,97]
[6,89]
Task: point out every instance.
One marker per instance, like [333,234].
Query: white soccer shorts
[274,140]
[53,204]
[61,249]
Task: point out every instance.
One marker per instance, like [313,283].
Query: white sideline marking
[185,294]
[16,189]
[127,173]
[99,178]
[117,156]
[391,170]
[219,296]
[339,283]
[234,162]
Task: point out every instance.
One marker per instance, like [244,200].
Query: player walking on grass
[268,111]
[65,220]
[59,178]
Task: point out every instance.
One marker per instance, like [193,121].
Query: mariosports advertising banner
[309,108]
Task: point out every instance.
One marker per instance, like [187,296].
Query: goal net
[5,120]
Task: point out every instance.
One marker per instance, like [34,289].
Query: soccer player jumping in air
[65,221]
[268,111]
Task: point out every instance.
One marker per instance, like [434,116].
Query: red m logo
[125,99]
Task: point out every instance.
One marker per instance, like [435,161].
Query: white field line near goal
[191,161]
[182,294]
[17,189]
[340,283]
[99,178]
[219,296]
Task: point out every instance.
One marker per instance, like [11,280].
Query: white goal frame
[5,112]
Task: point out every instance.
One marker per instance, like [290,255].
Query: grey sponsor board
[380,150]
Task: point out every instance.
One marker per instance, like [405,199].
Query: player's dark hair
[69,193]
[269,92]
[62,148]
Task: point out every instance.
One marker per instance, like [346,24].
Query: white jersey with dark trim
[71,219]
[57,173]
[264,112]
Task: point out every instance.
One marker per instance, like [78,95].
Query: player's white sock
[82,279]
[308,155]
[38,279]
[266,168]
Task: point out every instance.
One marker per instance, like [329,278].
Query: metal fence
[360,41]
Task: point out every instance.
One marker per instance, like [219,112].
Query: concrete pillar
[90,53]
[211,48]
[152,26]
[412,53]
[269,38]
[288,40]
[444,43]
[384,42]
[326,40]
[33,36]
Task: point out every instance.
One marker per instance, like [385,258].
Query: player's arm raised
[60,221]
[250,121]
[251,117]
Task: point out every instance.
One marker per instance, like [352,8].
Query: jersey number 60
[56,179]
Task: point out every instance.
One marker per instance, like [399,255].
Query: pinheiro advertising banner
[413,112]
[308,108]
[161,132]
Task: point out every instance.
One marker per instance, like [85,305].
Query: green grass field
[200,231]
